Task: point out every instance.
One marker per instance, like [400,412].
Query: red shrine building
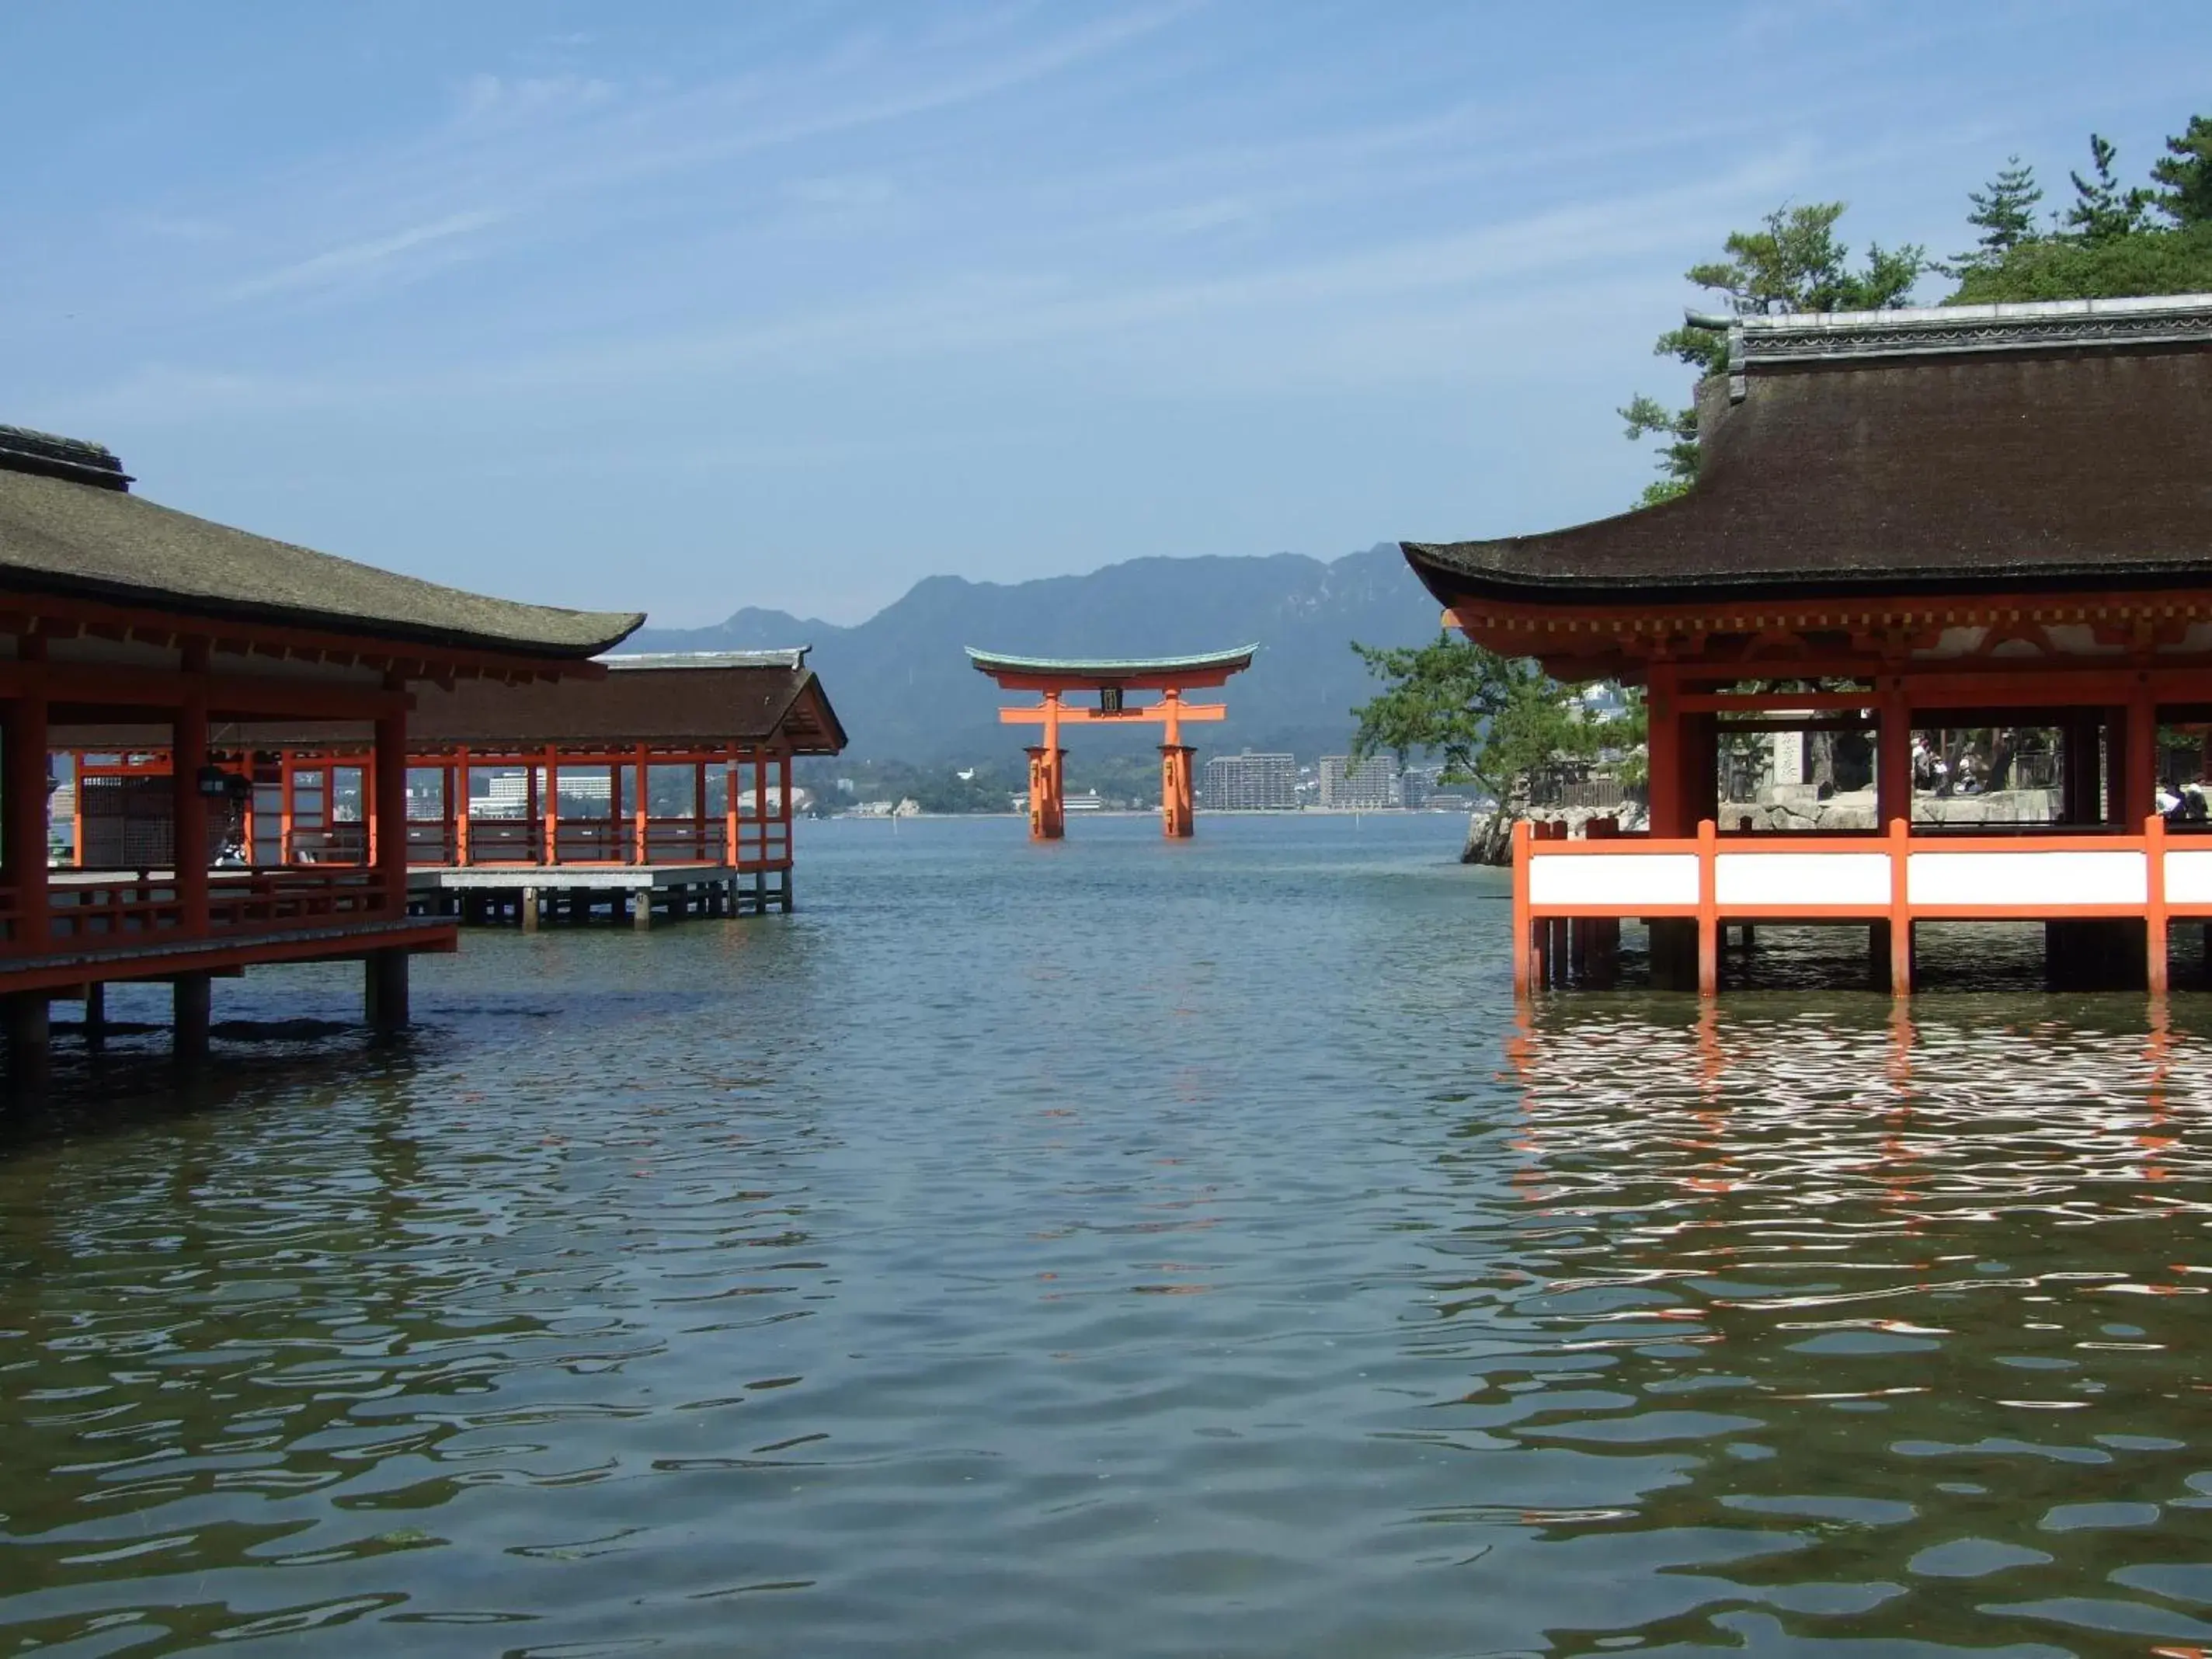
[660,787]
[119,616]
[1906,524]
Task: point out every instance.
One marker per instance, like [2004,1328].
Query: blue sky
[687,308]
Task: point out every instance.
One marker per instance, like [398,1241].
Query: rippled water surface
[1113,1248]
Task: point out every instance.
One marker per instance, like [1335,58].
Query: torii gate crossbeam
[1112,679]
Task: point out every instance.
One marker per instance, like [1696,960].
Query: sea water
[1116,1248]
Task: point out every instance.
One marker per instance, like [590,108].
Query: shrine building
[1907,525]
[661,786]
[118,615]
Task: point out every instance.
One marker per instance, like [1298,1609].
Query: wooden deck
[529,895]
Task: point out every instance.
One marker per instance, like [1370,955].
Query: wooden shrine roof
[70,526]
[2057,447]
[765,698]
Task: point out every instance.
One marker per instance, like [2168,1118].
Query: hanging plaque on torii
[1111,679]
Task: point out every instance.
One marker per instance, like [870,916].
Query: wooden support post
[2137,785]
[192,1009]
[388,804]
[461,849]
[2080,762]
[1893,771]
[530,909]
[1664,752]
[1900,908]
[249,829]
[699,811]
[639,848]
[1527,953]
[729,794]
[552,803]
[2154,916]
[284,806]
[188,753]
[23,819]
[384,991]
[1709,926]
[95,1013]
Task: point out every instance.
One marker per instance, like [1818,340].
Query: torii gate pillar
[1048,799]
[1178,811]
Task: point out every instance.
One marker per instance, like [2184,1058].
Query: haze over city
[793,306]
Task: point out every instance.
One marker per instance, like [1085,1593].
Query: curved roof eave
[997,662]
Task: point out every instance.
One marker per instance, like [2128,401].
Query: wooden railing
[136,907]
[1896,877]
[762,844]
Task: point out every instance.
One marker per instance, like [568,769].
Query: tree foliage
[2005,213]
[2183,175]
[1794,262]
[1493,720]
[2102,210]
[2114,241]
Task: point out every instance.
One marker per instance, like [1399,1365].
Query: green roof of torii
[1110,668]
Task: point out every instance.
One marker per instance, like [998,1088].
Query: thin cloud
[358,259]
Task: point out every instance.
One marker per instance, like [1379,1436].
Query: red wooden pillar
[731,768]
[1901,904]
[1709,915]
[285,787]
[188,753]
[1892,766]
[2137,787]
[552,803]
[461,851]
[1524,943]
[1664,752]
[23,830]
[639,849]
[388,808]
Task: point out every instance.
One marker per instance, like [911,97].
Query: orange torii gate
[1112,679]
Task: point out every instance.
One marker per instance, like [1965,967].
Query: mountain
[903,688]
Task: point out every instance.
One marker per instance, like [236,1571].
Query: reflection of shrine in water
[1821,1308]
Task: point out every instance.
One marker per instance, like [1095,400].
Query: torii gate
[1112,679]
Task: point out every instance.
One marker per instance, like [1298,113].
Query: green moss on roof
[991,662]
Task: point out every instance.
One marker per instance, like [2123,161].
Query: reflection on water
[1116,1248]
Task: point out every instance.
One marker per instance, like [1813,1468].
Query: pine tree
[2185,175]
[1793,263]
[2005,215]
[2102,211]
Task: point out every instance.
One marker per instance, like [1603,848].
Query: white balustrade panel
[1787,878]
[1610,882]
[2189,877]
[2035,882]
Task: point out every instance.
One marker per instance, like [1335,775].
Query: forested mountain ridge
[901,684]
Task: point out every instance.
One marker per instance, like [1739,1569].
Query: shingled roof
[766,697]
[2058,447]
[69,526]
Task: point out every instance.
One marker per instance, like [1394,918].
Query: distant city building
[506,795]
[1373,785]
[1249,783]
[1416,784]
